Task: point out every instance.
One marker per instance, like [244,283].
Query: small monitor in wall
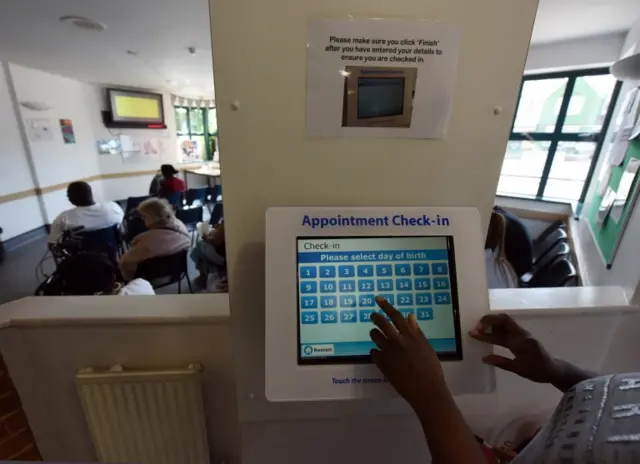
[378,96]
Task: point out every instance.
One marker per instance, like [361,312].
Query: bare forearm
[567,375]
[448,436]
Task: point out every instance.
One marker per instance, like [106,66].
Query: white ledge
[561,300]
[115,309]
[163,309]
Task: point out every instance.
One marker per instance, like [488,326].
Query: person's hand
[530,359]
[405,357]
[217,235]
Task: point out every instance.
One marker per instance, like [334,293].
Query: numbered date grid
[345,293]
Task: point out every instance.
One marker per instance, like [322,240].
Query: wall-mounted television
[131,109]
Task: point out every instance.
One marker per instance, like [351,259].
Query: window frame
[205,125]
[557,135]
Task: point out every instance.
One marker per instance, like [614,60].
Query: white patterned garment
[597,421]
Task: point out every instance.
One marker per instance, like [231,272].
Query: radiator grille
[145,416]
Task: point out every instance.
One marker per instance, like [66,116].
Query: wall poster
[67,131]
[380,78]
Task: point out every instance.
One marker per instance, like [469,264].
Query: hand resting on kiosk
[595,417]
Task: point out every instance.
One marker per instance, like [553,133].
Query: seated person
[87,213]
[93,274]
[166,236]
[210,257]
[170,183]
[154,187]
[500,273]
[518,246]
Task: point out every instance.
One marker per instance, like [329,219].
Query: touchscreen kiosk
[324,268]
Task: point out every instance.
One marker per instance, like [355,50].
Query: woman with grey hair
[166,236]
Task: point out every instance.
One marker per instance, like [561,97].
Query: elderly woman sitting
[166,236]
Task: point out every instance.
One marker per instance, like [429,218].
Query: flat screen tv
[131,109]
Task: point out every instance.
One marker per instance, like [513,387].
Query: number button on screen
[328,286]
[348,316]
[328,302]
[309,317]
[423,298]
[423,284]
[383,270]
[425,314]
[421,269]
[327,272]
[441,283]
[365,315]
[309,302]
[366,301]
[346,271]
[405,299]
[442,298]
[385,284]
[348,301]
[390,298]
[308,272]
[406,312]
[308,287]
[329,317]
[403,269]
[440,269]
[365,270]
[347,286]
[365,286]
[403,284]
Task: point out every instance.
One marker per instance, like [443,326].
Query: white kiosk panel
[325,266]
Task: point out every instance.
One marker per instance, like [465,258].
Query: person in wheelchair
[86,212]
[91,274]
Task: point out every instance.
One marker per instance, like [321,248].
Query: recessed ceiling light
[83,23]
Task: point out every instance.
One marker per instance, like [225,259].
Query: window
[557,135]
[197,130]
[575,105]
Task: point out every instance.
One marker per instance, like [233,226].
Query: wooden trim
[121,175]
[18,195]
[39,191]
[63,186]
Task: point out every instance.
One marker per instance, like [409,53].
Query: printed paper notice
[380,78]
[624,189]
[624,128]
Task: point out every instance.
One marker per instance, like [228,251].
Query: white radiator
[147,417]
